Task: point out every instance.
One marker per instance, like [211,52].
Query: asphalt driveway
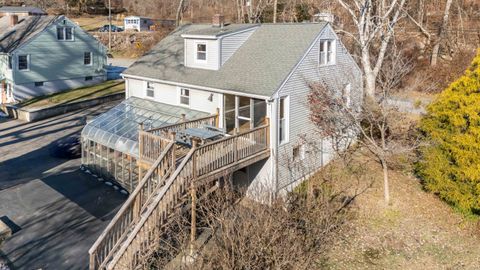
[56,210]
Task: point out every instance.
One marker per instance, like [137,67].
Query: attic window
[65,33]
[23,62]
[327,52]
[201,52]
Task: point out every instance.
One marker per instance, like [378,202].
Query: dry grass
[417,231]
[92,23]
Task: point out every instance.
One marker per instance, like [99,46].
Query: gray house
[46,54]
[212,105]
[246,74]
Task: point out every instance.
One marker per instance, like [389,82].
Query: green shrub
[450,163]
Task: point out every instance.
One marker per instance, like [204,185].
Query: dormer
[209,47]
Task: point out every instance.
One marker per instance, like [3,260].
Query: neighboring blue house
[46,54]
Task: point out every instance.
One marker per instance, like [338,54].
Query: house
[41,55]
[212,105]
[21,11]
[137,23]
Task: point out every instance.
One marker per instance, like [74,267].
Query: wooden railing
[150,146]
[198,163]
[211,120]
[117,230]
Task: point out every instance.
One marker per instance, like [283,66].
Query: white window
[184,96]
[150,90]
[299,152]
[347,99]
[24,62]
[65,33]
[283,120]
[201,52]
[327,52]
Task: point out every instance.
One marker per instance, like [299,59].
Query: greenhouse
[110,141]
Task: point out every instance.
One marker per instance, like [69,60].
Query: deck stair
[137,227]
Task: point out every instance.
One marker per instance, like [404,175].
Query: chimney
[218,20]
[13,20]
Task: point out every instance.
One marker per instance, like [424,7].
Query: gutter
[205,88]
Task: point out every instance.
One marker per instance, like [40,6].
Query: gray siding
[53,60]
[301,129]
[230,44]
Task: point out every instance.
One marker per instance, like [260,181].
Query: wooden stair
[136,229]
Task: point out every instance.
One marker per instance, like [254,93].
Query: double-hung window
[201,52]
[327,52]
[23,62]
[87,58]
[150,90]
[65,33]
[283,121]
[184,96]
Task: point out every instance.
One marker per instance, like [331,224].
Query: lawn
[92,23]
[417,231]
[75,95]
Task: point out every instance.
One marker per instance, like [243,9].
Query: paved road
[116,66]
[56,210]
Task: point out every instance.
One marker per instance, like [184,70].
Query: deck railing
[211,120]
[198,163]
[117,230]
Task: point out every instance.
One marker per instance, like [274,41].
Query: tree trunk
[386,185]
[275,3]
[441,34]
[179,12]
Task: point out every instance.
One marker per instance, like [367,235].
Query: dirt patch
[417,231]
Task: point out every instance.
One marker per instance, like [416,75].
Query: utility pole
[110,25]
[275,3]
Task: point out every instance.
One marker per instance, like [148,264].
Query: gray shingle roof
[12,38]
[14,9]
[220,31]
[258,67]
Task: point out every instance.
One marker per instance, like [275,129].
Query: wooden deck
[172,177]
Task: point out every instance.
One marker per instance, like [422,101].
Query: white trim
[180,89]
[195,57]
[188,36]
[287,120]
[333,46]
[186,85]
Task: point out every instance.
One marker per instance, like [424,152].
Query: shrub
[450,163]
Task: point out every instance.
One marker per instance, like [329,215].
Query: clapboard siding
[301,129]
[53,60]
[232,43]
[212,54]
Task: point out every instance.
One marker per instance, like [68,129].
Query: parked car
[114,28]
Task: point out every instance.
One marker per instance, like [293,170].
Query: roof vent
[218,20]
[324,17]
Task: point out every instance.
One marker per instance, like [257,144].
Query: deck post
[193,194]
[174,154]
[267,135]
[217,118]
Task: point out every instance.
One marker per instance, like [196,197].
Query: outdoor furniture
[203,134]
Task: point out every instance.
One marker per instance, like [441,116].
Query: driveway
[117,65]
[56,210]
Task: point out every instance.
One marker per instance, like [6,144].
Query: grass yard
[417,231]
[92,23]
[74,95]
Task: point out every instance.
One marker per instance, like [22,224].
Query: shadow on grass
[64,98]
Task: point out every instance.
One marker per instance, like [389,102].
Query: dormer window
[201,54]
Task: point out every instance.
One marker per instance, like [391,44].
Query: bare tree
[179,12]
[375,22]
[441,33]
[375,124]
